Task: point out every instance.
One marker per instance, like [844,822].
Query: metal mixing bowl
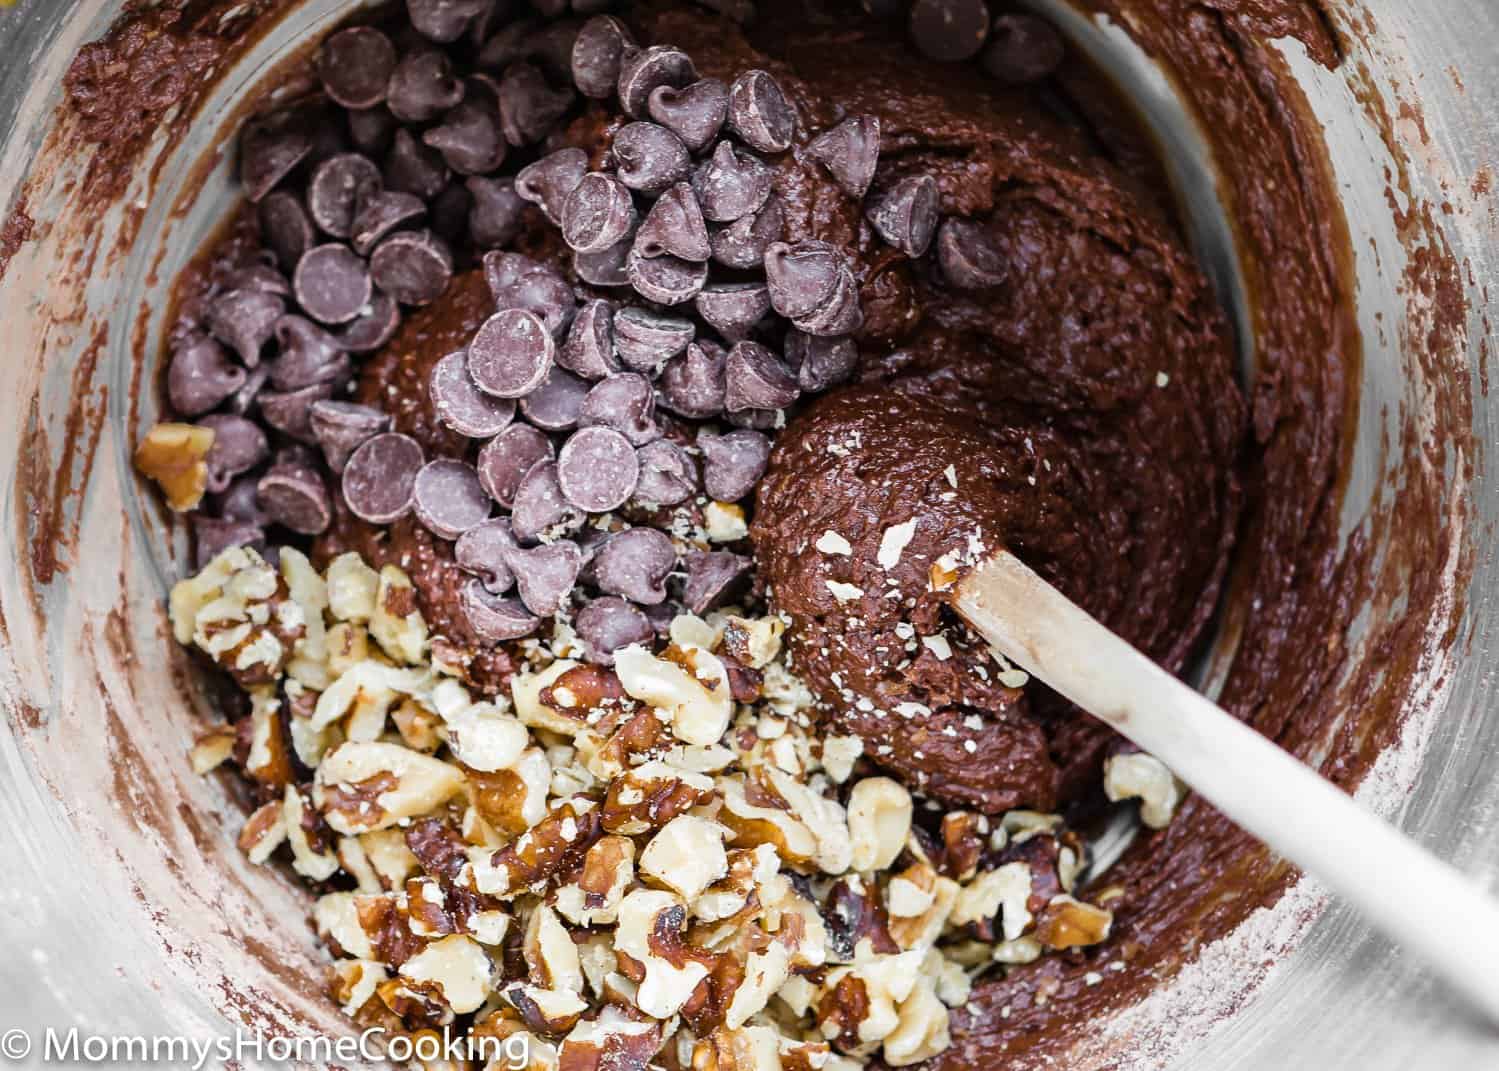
[126,908]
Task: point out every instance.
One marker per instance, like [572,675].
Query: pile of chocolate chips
[418,158]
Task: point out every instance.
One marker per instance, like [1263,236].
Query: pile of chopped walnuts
[655,863]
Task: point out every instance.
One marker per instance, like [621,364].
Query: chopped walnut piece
[363,786]
[264,832]
[919,901]
[310,856]
[879,819]
[554,845]
[1068,923]
[396,624]
[174,455]
[687,855]
[922,1029]
[1147,779]
[752,824]
[526,691]
[552,1012]
[458,967]
[651,795]
[651,922]
[612,1042]
[594,896]
[212,750]
[1003,894]
[690,685]
[336,917]
[352,589]
[515,799]
[551,957]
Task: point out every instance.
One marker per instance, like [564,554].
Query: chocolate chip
[812,285]
[597,52]
[589,349]
[443,20]
[508,457]
[469,138]
[270,148]
[495,218]
[674,227]
[692,384]
[646,340]
[511,354]
[308,355]
[332,283]
[820,363]
[732,463]
[759,113]
[337,186]
[625,402]
[285,227]
[949,31]
[642,70]
[556,403]
[733,309]
[375,325]
[606,624]
[244,399]
[518,282]
[548,181]
[462,406]
[757,419]
[355,65]
[742,244]
[212,536]
[668,475]
[240,502]
[448,498]
[905,215]
[238,446]
[694,113]
[483,550]
[201,376]
[712,578]
[411,167]
[510,44]
[540,506]
[666,280]
[755,378]
[262,277]
[414,267]
[850,151]
[597,214]
[607,268]
[597,469]
[422,86]
[969,258]
[545,575]
[1023,49]
[492,618]
[649,158]
[731,184]
[244,320]
[380,213]
[340,428]
[635,564]
[553,45]
[449,212]
[529,107]
[294,496]
[379,481]
[371,130]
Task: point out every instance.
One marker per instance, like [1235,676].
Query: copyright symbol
[15,1045]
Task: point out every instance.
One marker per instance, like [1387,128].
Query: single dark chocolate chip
[483,550]
[552,45]
[239,502]
[742,244]
[379,482]
[444,20]
[469,138]
[372,130]
[201,376]
[423,86]
[597,469]
[449,212]
[355,66]
[905,215]
[674,227]
[668,475]
[642,70]
[245,320]
[666,280]
[496,216]
[411,167]
[1023,49]
[511,354]
[759,113]
[608,268]
[264,277]
[692,383]
[541,509]
[949,31]
[850,151]
[414,267]
[733,309]
[340,428]
[843,314]
[755,378]
[529,107]
[648,157]
[731,184]
[379,214]
[970,259]
[548,181]
[373,327]
[462,406]
[713,578]
[244,399]
[518,282]
[332,283]
[270,148]
[505,460]
[308,355]
[492,618]
[625,402]
[597,52]
[336,189]
[285,227]
[597,214]
[589,349]
[448,498]
[635,564]
[213,535]
[820,363]
[556,403]
[545,575]
[812,285]
[295,496]
[646,340]
[238,446]
[606,624]
[694,113]
[510,44]
[733,462]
